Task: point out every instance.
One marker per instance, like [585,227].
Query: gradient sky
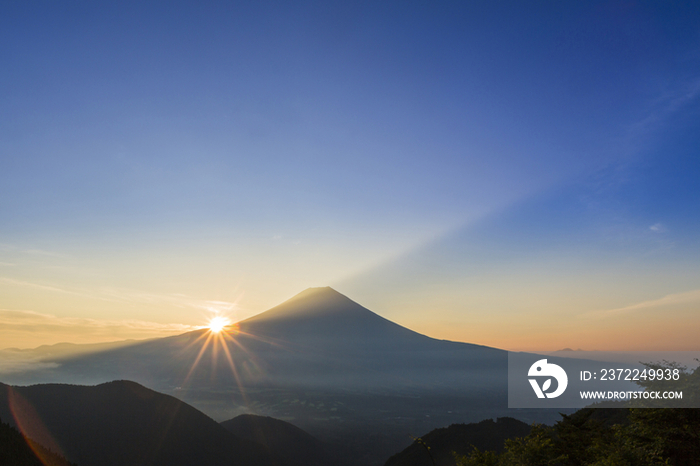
[523,175]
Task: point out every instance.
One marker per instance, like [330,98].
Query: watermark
[542,368]
[630,395]
[634,379]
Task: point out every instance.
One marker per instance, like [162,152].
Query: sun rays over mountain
[218,323]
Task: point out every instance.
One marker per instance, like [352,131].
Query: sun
[217,324]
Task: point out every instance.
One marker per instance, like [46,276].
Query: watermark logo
[543,369]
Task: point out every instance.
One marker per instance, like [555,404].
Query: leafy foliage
[437,447]
[627,436]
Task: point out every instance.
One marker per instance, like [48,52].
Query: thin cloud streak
[668,300]
[21,327]
[22,318]
[7,247]
[52,288]
[664,107]
[132,296]
[41,252]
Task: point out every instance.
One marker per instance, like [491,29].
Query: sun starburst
[217,324]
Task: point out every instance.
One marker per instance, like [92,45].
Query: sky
[521,175]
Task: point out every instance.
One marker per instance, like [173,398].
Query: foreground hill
[595,437]
[286,443]
[15,450]
[123,424]
[461,439]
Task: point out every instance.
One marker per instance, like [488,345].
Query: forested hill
[437,447]
[286,443]
[15,450]
[122,423]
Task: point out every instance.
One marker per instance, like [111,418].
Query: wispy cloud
[23,318]
[176,300]
[41,252]
[683,95]
[130,296]
[664,107]
[46,287]
[33,251]
[24,325]
[687,297]
[12,361]
[21,326]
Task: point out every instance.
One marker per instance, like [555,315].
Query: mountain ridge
[285,442]
[122,423]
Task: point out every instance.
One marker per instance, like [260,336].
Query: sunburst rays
[223,344]
[227,348]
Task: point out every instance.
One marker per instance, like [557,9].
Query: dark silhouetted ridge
[286,443]
[124,424]
[461,439]
[16,450]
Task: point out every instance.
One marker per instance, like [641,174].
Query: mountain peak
[312,303]
[326,318]
[325,292]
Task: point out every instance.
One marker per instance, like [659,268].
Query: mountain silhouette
[317,339]
[321,321]
[487,435]
[16,450]
[322,316]
[286,443]
[122,423]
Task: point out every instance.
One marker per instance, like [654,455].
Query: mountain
[324,318]
[321,338]
[16,450]
[123,424]
[460,439]
[317,339]
[286,443]
[344,374]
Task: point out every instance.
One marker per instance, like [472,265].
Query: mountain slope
[15,450]
[317,339]
[461,439]
[322,316]
[286,443]
[123,424]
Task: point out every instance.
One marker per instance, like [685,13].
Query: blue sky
[466,169]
